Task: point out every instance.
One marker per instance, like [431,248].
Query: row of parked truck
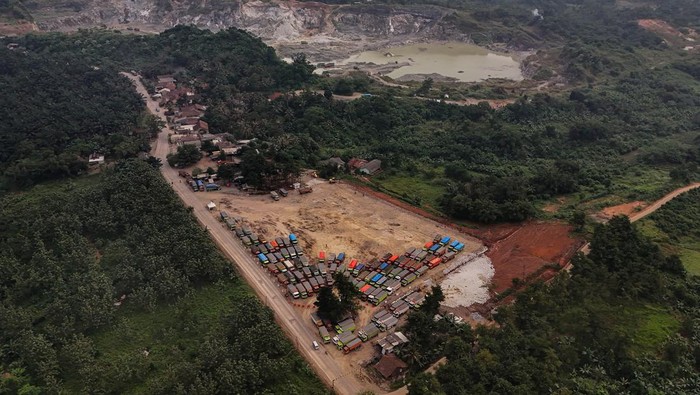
[378,279]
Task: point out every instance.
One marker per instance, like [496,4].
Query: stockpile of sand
[468,284]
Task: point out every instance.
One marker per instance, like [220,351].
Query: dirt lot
[335,218]
[520,250]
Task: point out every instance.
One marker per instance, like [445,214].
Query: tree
[431,304]
[186,155]
[226,171]
[425,87]
[578,220]
[329,305]
[424,384]
[156,163]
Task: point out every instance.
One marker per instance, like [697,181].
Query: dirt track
[646,211]
[300,330]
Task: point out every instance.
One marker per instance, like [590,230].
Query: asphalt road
[342,382]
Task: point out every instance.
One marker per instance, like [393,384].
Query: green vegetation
[186,155]
[676,227]
[60,111]
[72,249]
[337,302]
[624,321]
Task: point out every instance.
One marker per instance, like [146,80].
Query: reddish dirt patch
[668,32]
[527,248]
[16,28]
[621,209]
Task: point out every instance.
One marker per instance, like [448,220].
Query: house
[337,162]
[391,341]
[230,151]
[391,367]
[96,159]
[356,163]
[372,167]
[202,126]
[207,137]
[189,140]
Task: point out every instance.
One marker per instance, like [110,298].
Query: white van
[315,345]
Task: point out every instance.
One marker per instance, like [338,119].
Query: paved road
[586,249]
[343,382]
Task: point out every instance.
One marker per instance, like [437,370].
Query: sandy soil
[335,218]
[469,284]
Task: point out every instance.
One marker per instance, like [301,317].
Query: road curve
[586,248]
[297,329]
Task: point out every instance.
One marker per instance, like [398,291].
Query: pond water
[462,61]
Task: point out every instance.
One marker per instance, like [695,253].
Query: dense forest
[61,110]
[184,321]
[625,320]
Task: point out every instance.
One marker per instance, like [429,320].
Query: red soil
[527,248]
[621,209]
[516,250]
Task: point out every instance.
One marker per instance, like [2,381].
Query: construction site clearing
[393,256]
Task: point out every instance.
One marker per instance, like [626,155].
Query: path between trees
[297,329]
[645,211]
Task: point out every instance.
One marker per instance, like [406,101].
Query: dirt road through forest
[297,329]
[646,211]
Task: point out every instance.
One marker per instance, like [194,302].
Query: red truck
[305,189]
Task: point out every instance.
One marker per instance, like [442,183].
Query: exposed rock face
[279,20]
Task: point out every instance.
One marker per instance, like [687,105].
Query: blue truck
[340,258]
[263,259]
[445,240]
[200,185]
[212,187]
[293,238]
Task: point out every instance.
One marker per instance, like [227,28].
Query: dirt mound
[528,247]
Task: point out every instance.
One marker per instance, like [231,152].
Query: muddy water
[461,61]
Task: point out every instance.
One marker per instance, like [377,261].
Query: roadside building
[356,163]
[391,341]
[391,367]
[96,159]
[337,162]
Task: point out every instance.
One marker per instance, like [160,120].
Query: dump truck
[283,192]
[194,185]
[314,283]
[368,331]
[304,261]
[285,253]
[347,323]
[302,291]
[340,258]
[352,264]
[305,189]
[212,187]
[330,257]
[321,256]
[308,287]
[396,304]
[401,309]
[280,267]
[293,291]
[299,276]
[288,264]
[410,251]
[388,324]
[247,231]
[325,336]
[434,262]
[352,346]
[200,185]
[298,250]
[421,270]
[322,269]
[380,316]
[408,279]
[434,248]
[271,258]
[427,246]
[391,285]
[307,272]
[282,278]
[263,249]
[437,238]
[448,256]
[330,281]
[254,239]
[344,338]
[263,259]
[379,298]
[316,319]
[445,240]
[274,196]
[293,238]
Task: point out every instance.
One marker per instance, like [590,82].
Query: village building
[96,159]
[391,341]
[372,167]
[335,161]
[356,163]
[391,367]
